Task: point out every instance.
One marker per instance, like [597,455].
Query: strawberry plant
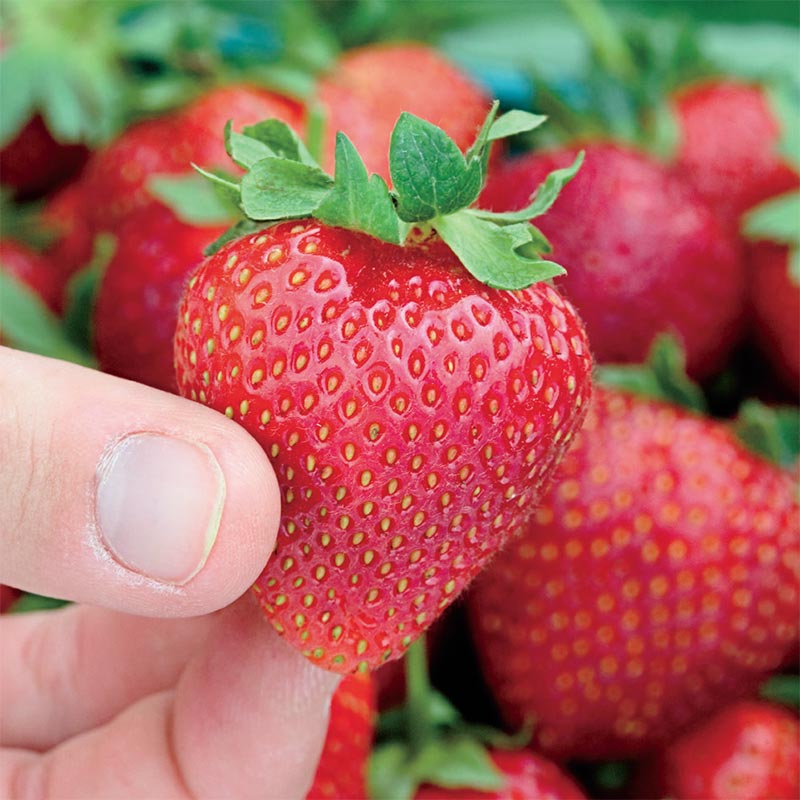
[404,402]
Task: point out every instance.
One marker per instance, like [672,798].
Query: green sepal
[662,376]
[281,140]
[277,189]
[773,432]
[503,257]
[81,293]
[793,265]
[35,602]
[775,220]
[27,324]
[431,176]
[360,201]
[388,776]
[783,689]
[613,775]
[514,122]
[195,200]
[783,97]
[541,200]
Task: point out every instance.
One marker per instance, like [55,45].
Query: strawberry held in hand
[412,413]
[658,581]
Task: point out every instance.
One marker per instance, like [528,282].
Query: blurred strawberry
[363,96]
[34,270]
[729,145]
[65,215]
[643,253]
[341,773]
[748,751]
[137,304]
[659,581]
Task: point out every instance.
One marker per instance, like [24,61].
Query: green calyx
[425,741]
[434,188]
[778,220]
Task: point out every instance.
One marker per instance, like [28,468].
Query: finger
[247,719]
[64,672]
[123,496]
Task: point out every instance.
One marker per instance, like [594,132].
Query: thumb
[123,496]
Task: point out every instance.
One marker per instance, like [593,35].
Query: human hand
[153,513]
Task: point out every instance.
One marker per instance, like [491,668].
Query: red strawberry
[8,596]
[138,299]
[729,145]
[405,405]
[748,751]
[115,178]
[643,254]
[357,100]
[33,162]
[341,773]
[528,776]
[658,582]
[775,299]
[65,214]
[34,270]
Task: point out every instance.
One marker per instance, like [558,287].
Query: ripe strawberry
[394,393]
[341,773]
[528,775]
[34,270]
[65,215]
[729,145]
[775,299]
[138,299]
[643,254]
[355,99]
[748,751]
[33,162]
[169,145]
[658,582]
[8,596]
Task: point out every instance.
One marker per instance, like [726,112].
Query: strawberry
[33,162]
[341,773]
[169,145]
[729,137]
[748,751]
[139,294]
[354,97]
[775,301]
[658,581]
[643,253]
[64,215]
[34,270]
[8,596]
[527,775]
[403,402]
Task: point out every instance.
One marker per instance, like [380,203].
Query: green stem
[418,692]
[604,36]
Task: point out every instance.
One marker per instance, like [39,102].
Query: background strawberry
[34,270]
[342,770]
[140,291]
[354,96]
[729,141]
[643,253]
[748,751]
[658,582]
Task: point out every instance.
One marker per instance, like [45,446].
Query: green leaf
[358,201]
[784,689]
[663,376]
[82,292]
[35,602]
[514,122]
[388,774]
[794,266]
[276,189]
[245,150]
[541,200]
[457,762]
[613,775]
[193,199]
[777,220]
[772,432]
[17,89]
[281,140]
[430,174]
[27,324]
[784,100]
[494,254]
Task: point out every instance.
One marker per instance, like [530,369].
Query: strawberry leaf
[457,762]
[504,257]
[35,602]
[388,775]
[358,201]
[245,150]
[777,220]
[772,432]
[514,122]
[281,140]
[783,689]
[193,199]
[27,324]
[276,189]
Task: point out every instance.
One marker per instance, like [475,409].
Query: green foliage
[776,220]
[772,432]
